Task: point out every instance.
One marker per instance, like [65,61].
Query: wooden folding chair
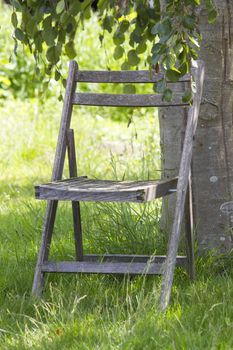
[80,188]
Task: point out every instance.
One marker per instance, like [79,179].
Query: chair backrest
[125,100]
[134,100]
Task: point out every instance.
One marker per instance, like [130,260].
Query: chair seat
[88,190]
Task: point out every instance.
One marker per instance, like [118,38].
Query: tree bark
[213,150]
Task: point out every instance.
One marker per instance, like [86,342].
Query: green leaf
[129,89]
[118,38]
[69,28]
[87,13]
[70,50]
[170,60]
[102,5]
[141,48]
[178,48]
[143,14]
[189,22]
[173,75]
[159,86]
[125,66]
[31,27]
[74,8]
[124,25]
[155,59]
[60,98]
[148,60]
[212,15]
[64,18]
[61,36]
[19,34]
[16,4]
[38,41]
[53,54]
[118,52]
[194,41]
[136,35]
[107,23]
[38,16]
[184,68]
[14,19]
[194,54]
[183,56]
[167,95]
[64,81]
[57,75]
[49,36]
[133,58]
[48,69]
[187,96]
[158,48]
[85,4]
[162,28]
[101,38]
[60,6]
[47,23]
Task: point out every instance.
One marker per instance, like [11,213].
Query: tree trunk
[213,150]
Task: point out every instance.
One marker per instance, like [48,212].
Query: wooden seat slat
[83,189]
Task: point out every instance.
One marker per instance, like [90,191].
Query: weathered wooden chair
[80,188]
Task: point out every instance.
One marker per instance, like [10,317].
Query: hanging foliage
[169,27]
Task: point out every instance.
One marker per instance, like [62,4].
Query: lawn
[94,312]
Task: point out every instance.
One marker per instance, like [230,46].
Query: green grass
[95,312]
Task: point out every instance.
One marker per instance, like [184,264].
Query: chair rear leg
[75,205]
[189,231]
[77,231]
[49,220]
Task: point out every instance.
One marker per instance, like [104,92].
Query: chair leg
[49,220]
[184,200]
[189,231]
[173,248]
[77,231]
[75,205]
[57,175]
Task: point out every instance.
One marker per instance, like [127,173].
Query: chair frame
[108,263]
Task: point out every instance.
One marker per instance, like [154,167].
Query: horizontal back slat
[125,100]
[138,76]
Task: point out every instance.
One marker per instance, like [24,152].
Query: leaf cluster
[169,36]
